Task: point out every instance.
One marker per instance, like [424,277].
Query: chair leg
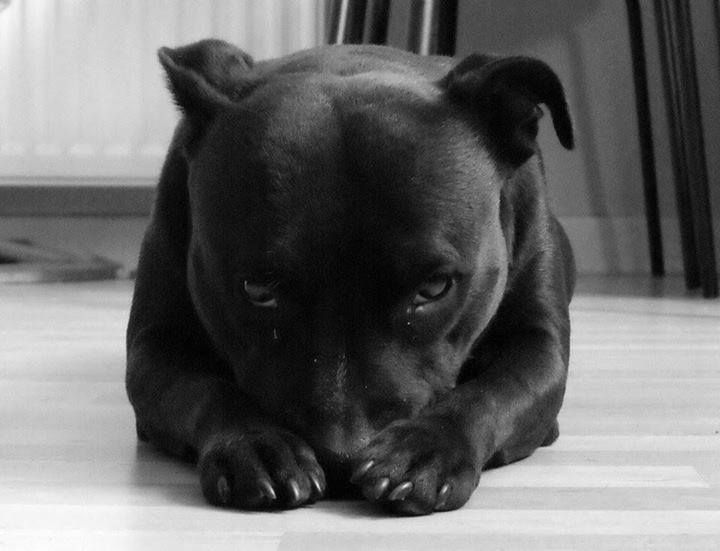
[647,149]
[695,151]
[685,122]
[447,28]
[679,162]
[432,27]
[421,23]
[347,20]
[377,15]
[336,15]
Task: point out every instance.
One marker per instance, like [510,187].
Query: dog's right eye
[260,294]
[432,289]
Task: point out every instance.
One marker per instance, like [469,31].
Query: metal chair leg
[647,149]
[695,150]
[447,28]
[685,122]
[347,21]
[432,27]
[421,21]
[377,15]
[679,164]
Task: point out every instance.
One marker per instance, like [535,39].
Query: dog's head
[347,248]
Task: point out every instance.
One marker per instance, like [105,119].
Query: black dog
[351,278]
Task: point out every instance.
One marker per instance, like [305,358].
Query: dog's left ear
[205,75]
[506,94]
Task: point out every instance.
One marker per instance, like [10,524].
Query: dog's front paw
[418,466]
[260,469]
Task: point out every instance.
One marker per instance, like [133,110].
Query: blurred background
[85,117]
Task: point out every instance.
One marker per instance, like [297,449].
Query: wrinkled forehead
[416,161]
[304,161]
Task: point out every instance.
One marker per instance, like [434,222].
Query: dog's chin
[338,484]
[338,469]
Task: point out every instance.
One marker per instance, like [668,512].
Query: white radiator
[81,91]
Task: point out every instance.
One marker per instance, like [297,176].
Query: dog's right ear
[205,76]
[506,94]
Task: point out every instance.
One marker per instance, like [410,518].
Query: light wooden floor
[637,464]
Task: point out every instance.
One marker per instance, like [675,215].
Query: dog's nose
[340,443]
[336,444]
[332,458]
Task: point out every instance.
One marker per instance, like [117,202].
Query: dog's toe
[417,467]
[260,471]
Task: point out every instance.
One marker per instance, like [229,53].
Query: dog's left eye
[259,294]
[433,288]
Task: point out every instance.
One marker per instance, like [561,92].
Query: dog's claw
[317,484]
[442,496]
[376,492]
[223,490]
[267,490]
[362,470]
[401,491]
[294,488]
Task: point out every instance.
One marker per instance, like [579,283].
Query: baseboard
[115,238]
[24,262]
[81,197]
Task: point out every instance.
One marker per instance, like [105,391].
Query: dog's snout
[338,442]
